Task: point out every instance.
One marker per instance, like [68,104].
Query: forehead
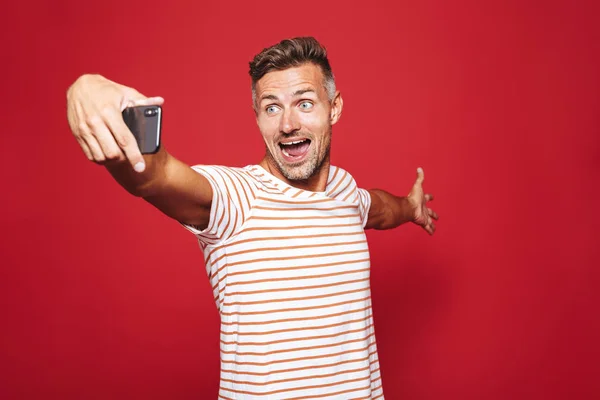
[307,76]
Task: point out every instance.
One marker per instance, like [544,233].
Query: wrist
[404,210]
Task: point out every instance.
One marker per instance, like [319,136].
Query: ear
[336,108]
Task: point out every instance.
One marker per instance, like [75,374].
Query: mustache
[293,135]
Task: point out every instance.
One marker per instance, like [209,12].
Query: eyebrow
[269,97]
[302,91]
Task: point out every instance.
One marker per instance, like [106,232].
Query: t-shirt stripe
[290,275]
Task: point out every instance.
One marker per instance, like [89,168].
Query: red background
[103,297]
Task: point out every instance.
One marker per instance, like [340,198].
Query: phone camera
[150,112]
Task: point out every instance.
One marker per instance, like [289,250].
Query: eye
[271,109]
[306,105]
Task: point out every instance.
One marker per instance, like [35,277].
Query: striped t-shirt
[289,269]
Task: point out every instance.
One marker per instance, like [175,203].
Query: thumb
[150,101]
[420,176]
[132,98]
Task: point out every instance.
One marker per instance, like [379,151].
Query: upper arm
[377,210]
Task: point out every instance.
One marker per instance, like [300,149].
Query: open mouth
[294,151]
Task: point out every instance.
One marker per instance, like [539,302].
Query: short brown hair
[292,53]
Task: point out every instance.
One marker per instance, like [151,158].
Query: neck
[317,182]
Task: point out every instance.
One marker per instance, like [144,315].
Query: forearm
[388,211]
[170,185]
[141,184]
[94,112]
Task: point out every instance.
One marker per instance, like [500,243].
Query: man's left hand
[422,215]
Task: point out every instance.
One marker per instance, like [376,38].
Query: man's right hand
[94,107]
[94,111]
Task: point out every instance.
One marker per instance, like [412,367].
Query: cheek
[268,128]
[317,122]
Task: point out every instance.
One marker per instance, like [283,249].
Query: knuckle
[107,111]
[122,140]
[112,154]
[94,120]
[82,128]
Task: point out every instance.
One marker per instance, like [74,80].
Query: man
[283,240]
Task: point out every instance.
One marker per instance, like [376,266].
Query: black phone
[145,123]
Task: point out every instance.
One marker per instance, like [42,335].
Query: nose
[289,122]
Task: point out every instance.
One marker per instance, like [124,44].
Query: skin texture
[388,211]
[291,105]
[94,106]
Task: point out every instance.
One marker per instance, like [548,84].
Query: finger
[428,229]
[130,95]
[433,214]
[92,144]
[132,98]
[72,116]
[428,197]
[85,148]
[150,101]
[142,101]
[420,176]
[126,103]
[82,133]
[124,139]
[105,139]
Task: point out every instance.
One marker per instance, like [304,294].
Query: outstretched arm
[94,106]
[388,211]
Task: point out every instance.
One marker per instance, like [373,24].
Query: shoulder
[225,173]
[341,185]
[225,179]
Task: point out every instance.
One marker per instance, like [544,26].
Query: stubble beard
[305,169]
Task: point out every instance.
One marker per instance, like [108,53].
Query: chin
[301,171]
[297,171]
[297,174]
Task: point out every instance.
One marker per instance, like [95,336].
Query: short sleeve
[231,200]
[342,186]
[364,204]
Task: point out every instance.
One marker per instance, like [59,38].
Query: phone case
[145,123]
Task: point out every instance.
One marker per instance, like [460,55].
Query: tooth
[296,142]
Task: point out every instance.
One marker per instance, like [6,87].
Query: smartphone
[145,123]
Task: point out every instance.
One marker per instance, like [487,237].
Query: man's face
[295,115]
